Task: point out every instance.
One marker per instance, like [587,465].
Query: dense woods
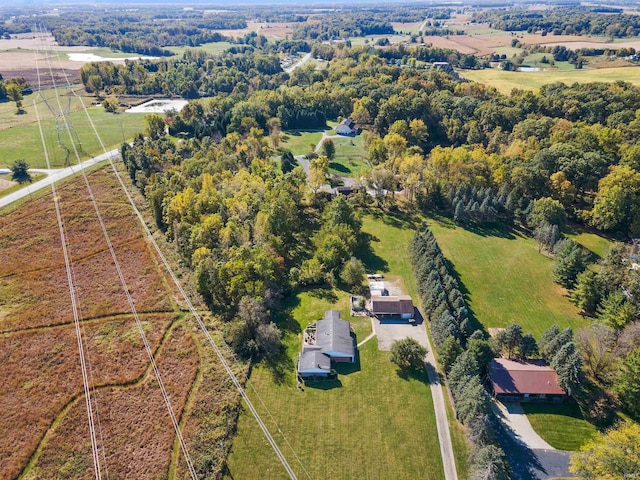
[563,21]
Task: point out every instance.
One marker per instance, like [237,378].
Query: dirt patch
[456,42]
[4,184]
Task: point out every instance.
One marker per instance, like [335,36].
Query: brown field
[456,42]
[41,375]
[135,427]
[33,284]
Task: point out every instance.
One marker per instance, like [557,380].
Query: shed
[392,307]
[529,381]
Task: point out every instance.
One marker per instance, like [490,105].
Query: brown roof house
[390,307]
[531,381]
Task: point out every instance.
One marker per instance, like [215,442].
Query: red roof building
[524,381]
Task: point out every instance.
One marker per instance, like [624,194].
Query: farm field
[23,141]
[213,48]
[505,81]
[43,423]
[506,279]
[354,416]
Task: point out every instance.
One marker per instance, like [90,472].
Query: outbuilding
[347,127]
[390,307]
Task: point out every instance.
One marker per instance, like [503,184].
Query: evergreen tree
[570,261]
[448,351]
[587,292]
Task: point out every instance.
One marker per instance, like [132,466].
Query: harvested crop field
[44,431]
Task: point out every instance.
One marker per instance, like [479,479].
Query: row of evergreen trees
[559,351]
[463,351]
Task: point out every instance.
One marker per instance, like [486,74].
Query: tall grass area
[506,81]
[506,279]
[299,142]
[23,141]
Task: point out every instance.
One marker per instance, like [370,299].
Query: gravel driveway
[389,331]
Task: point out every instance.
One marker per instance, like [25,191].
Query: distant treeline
[562,21]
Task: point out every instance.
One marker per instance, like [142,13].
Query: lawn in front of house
[561,426]
[351,156]
[300,142]
[370,423]
[505,279]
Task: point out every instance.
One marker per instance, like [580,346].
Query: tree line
[463,352]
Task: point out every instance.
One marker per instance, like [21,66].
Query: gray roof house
[333,336]
[332,343]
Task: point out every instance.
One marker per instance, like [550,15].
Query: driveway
[530,457]
[389,331]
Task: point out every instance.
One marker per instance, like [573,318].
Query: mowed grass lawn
[507,280]
[300,142]
[372,424]
[351,156]
[375,424]
[562,426]
[23,141]
[506,81]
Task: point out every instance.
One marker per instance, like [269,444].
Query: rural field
[353,421]
[506,279]
[505,81]
[43,423]
[20,139]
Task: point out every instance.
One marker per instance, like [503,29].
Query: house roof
[312,358]
[392,305]
[533,377]
[334,334]
[348,123]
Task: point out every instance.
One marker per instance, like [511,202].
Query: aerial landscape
[269,240]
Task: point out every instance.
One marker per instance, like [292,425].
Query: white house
[347,127]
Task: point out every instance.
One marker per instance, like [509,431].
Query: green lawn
[23,141]
[507,280]
[562,426]
[371,424]
[592,241]
[299,142]
[351,156]
[375,424]
[391,237]
[506,81]
[213,48]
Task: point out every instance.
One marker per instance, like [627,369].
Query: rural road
[304,60]
[54,175]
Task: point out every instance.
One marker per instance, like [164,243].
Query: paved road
[304,60]
[53,175]
[387,332]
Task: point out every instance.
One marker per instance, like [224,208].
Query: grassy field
[213,48]
[591,241]
[356,424]
[300,142]
[506,81]
[351,156]
[23,141]
[14,188]
[562,426]
[506,279]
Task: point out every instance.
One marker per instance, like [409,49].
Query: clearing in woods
[43,418]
